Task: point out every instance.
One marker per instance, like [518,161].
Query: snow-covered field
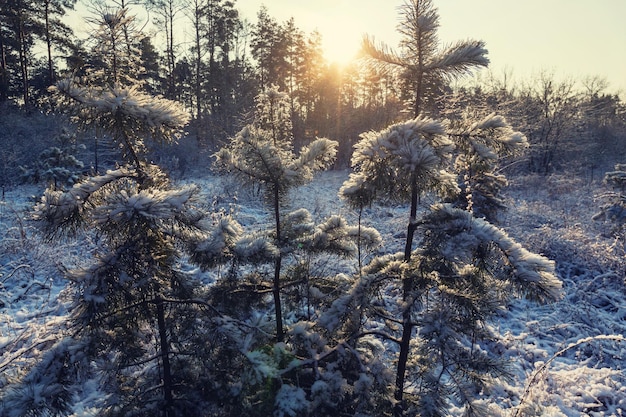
[566,358]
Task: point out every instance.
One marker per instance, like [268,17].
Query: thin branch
[537,373]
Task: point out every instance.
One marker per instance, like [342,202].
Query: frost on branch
[253,157]
[153,205]
[126,113]
[357,192]
[256,249]
[128,102]
[333,236]
[65,209]
[47,388]
[530,274]
[388,162]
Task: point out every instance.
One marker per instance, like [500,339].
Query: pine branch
[459,59]
[381,53]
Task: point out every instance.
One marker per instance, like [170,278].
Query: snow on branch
[255,249]
[65,209]
[318,155]
[153,112]
[152,204]
[532,274]
[460,58]
[356,191]
[209,249]
[389,160]
[332,236]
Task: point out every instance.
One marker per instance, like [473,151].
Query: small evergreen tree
[261,153]
[136,315]
[449,287]
[57,165]
[480,146]
[402,163]
[310,370]
[613,207]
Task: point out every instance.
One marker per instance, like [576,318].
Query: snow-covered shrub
[290,402]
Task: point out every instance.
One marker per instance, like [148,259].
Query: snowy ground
[567,358]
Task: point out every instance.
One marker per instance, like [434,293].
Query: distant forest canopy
[231,60]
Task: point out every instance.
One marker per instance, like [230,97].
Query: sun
[340,45]
[339,49]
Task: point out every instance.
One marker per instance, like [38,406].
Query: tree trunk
[165,359]
[23,56]
[407,325]
[198,16]
[171,59]
[49,42]
[4,82]
[280,334]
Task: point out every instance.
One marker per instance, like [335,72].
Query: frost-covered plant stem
[533,379]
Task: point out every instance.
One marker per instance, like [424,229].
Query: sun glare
[340,50]
[341,35]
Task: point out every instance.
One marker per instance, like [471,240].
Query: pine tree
[462,271]
[481,144]
[115,54]
[136,212]
[305,370]
[403,162]
[261,153]
[137,320]
[424,62]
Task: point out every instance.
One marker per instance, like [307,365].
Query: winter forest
[237,227]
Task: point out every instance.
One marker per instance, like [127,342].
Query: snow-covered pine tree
[462,271]
[402,163]
[138,321]
[306,370]
[262,154]
[480,145]
[613,207]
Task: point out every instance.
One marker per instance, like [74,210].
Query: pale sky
[566,38]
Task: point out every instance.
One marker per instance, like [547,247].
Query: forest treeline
[576,123]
